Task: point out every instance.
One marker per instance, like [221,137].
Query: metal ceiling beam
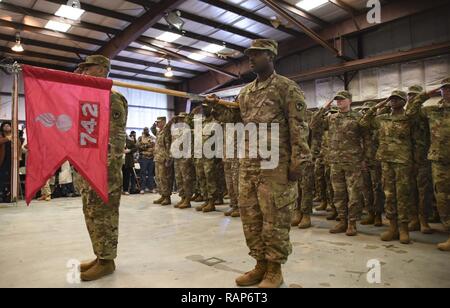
[137,28]
[80,51]
[302,13]
[202,20]
[28,53]
[209,66]
[199,37]
[129,18]
[250,15]
[71,69]
[312,34]
[101,29]
[350,10]
[389,12]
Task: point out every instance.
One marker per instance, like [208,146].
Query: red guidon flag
[67,119]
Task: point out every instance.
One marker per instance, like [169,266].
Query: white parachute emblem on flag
[63,122]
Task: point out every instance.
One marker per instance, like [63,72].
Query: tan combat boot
[351,230]
[253,277]
[186,204]
[332,215]
[444,246]
[306,222]
[369,220]
[378,220]
[229,212]
[86,266]
[100,269]
[179,203]
[210,207]
[322,207]
[296,218]
[236,213]
[158,201]
[414,224]
[341,227]
[166,201]
[424,226]
[392,233]
[404,234]
[201,207]
[273,277]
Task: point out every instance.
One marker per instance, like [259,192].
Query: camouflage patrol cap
[263,44]
[445,82]
[343,95]
[96,60]
[415,89]
[161,119]
[400,94]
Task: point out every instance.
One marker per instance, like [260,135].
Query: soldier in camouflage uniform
[267,196]
[231,169]
[346,154]
[423,188]
[438,115]
[396,155]
[163,162]
[325,155]
[209,171]
[102,220]
[374,195]
[187,170]
[319,168]
[176,134]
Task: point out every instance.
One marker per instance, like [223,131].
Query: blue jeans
[147,173]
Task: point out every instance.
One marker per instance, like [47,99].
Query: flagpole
[15,134]
[172,93]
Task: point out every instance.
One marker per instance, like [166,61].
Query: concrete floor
[167,247]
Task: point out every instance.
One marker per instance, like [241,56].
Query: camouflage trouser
[221,184]
[179,177]
[320,182]
[441,177]
[163,177]
[423,192]
[200,175]
[266,199]
[377,203]
[306,189]
[102,220]
[347,186]
[231,169]
[188,177]
[210,173]
[45,190]
[329,186]
[397,183]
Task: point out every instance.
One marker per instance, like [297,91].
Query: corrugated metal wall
[421,30]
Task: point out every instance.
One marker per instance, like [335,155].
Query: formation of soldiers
[392,156]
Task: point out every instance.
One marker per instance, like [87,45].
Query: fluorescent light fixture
[213,48]
[168,37]
[169,72]
[18,46]
[57,26]
[69,12]
[196,56]
[309,5]
[148,48]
